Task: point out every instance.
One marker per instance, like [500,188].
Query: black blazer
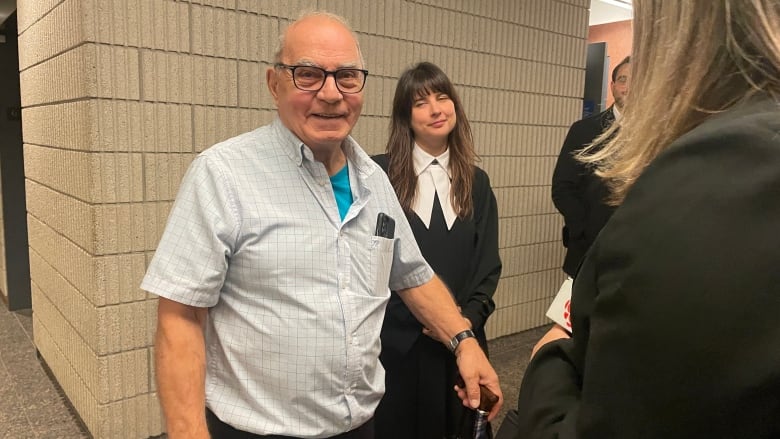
[674,311]
[577,193]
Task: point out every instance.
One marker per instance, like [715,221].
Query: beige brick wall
[119,95]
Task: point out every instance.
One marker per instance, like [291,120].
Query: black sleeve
[383,160]
[487,269]
[567,181]
[675,317]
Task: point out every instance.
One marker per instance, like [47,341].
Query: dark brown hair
[419,81]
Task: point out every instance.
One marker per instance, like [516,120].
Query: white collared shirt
[616,112]
[433,177]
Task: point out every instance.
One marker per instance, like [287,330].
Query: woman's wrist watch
[459,337]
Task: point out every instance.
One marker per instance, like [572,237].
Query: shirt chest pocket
[380,254]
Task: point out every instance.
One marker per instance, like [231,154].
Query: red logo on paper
[567,313]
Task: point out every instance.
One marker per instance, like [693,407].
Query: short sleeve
[191,260]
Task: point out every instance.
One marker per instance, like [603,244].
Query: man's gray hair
[329,15]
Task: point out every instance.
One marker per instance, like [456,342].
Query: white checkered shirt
[296,296]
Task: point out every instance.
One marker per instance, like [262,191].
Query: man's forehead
[307,61]
[320,43]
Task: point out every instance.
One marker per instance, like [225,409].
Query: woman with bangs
[430,161]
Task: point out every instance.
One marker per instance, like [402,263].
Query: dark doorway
[596,79]
[14,211]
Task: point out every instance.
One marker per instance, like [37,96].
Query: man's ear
[272,80]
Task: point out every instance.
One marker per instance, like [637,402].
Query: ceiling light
[625,4]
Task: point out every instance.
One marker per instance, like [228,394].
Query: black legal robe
[419,401]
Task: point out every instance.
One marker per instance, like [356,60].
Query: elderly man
[274,268]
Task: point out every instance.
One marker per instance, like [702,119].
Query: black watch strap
[459,337]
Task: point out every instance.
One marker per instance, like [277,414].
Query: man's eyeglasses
[310,78]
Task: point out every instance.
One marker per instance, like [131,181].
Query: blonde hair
[691,59]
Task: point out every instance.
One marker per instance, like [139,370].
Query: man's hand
[557,332]
[475,370]
[435,308]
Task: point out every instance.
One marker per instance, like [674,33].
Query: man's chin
[327,140]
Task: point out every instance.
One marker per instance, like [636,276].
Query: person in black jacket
[674,309]
[452,210]
[577,193]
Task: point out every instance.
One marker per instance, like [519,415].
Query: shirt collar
[297,150]
[616,112]
[422,160]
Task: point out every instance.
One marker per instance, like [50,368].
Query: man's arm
[433,305]
[180,358]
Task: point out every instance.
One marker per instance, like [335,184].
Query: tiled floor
[32,406]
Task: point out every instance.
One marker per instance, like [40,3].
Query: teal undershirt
[340,183]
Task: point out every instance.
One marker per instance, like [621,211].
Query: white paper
[560,309]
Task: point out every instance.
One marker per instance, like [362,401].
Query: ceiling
[602,11]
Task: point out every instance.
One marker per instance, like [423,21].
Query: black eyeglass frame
[324,78]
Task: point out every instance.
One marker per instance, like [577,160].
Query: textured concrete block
[67,76]
[127,371]
[69,216]
[528,229]
[74,307]
[523,171]
[161,24]
[69,260]
[217,81]
[213,125]
[251,84]
[117,72]
[163,174]
[151,331]
[75,351]
[119,125]
[67,171]
[526,315]
[30,11]
[248,27]
[65,372]
[136,417]
[119,176]
[223,4]
[68,125]
[53,34]
[202,22]
[252,6]
[166,127]
[155,218]
[119,277]
[120,227]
